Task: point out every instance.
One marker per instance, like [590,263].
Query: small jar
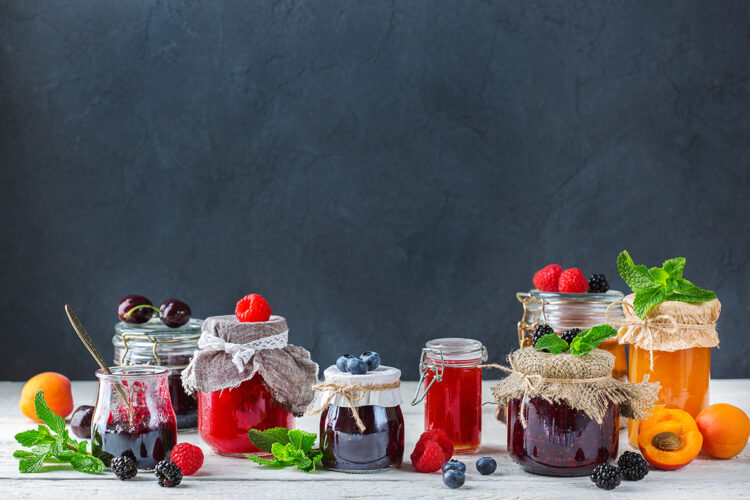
[379,445]
[225,416]
[134,414]
[563,311]
[558,440]
[451,377]
[153,343]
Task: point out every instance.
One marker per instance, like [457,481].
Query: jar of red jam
[451,386]
[153,343]
[134,414]
[376,442]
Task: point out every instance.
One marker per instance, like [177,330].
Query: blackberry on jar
[598,284]
[569,335]
[540,331]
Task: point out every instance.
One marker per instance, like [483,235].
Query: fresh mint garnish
[580,345]
[56,448]
[659,284]
[289,448]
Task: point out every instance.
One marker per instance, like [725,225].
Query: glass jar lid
[584,298]
[455,348]
[154,343]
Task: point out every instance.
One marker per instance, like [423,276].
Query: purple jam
[561,441]
[345,448]
[149,445]
[185,406]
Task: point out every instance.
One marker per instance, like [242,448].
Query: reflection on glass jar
[134,414]
[153,343]
[558,440]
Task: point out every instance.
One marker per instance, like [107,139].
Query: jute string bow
[352,393]
[532,382]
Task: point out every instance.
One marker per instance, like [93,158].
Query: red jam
[225,417]
[455,405]
[561,441]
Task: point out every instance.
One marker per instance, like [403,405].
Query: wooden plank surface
[235,478]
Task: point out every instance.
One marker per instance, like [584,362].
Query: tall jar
[134,414]
[672,346]
[563,311]
[450,383]
[153,343]
[364,430]
[247,376]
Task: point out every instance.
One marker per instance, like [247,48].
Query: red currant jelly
[558,440]
[225,417]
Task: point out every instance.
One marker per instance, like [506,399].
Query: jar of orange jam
[563,311]
[672,346]
[450,383]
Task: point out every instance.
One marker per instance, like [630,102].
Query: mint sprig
[57,448]
[581,345]
[659,284]
[289,448]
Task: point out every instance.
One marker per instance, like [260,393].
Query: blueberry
[486,466]
[356,366]
[454,478]
[341,362]
[371,358]
[454,465]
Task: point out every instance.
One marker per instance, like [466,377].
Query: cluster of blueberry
[454,471]
[358,365]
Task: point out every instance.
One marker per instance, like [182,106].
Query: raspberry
[254,308]
[546,278]
[573,281]
[441,438]
[431,458]
[188,457]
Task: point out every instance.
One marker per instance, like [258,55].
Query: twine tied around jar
[352,393]
[532,382]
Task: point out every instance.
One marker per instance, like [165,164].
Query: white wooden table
[233,477]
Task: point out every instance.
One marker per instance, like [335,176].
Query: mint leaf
[31,438]
[283,452]
[31,463]
[646,299]
[263,440]
[22,454]
[658,275]
[551,343]
[263,461]
[54,422]
[591,339]
[674,267]
[636,276]
[302,440]
[303,463]
[685,291]
[86,463]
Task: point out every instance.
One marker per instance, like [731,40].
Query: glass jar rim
[450,346]
[156,329]
[133,372]
[559,297]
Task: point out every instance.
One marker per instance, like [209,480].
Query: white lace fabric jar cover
[383,375]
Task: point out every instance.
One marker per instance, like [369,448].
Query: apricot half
[669,439]
[725,429]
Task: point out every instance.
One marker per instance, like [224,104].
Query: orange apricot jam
[620,370]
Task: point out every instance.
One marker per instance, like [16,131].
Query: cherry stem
[142,306]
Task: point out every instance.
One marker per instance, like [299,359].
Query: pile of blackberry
[631,467]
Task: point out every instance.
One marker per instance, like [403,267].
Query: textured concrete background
[383,172]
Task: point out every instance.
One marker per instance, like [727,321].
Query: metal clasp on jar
[127,337]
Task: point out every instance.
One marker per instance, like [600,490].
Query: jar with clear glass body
[563,311]
[153,343]
[559,440]
[134,413]
[380,445]
[451,386]
[226,416]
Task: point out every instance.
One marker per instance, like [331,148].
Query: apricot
[57,394]
[725,429]
[669,438]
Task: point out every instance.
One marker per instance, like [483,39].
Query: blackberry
[598,284]
[606,476]
[168,473]
[632,466]
[124,467]
[569,335]
[539,332]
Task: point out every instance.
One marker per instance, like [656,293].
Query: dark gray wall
[383,172]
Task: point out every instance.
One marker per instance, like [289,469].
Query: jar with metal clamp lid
[153,343]
[450,383]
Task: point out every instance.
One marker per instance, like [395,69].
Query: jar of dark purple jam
[380,446]
[558,440]
[154,343]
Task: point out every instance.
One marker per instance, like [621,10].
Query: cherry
[80,421]
[174,313]
[140,314]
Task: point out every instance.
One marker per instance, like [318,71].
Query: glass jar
[377,447]
[225,417]
[563,311]
[558,440]
[684,376]
[154,343]
[134,413]
[452,379]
